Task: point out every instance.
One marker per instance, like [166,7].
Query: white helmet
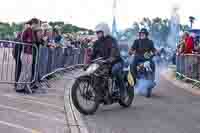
[104,28]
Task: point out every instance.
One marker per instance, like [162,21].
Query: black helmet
[145,31]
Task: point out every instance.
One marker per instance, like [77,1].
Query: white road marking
[19,127]
[32,114]
[80,121]
[33,100]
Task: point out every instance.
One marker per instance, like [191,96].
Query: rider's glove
[148,55]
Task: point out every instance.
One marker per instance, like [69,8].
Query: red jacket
[28,37]
[189,45]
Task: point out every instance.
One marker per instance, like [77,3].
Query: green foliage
[159,30]
[184,27]
[69,28]
[191,19]
[7,30]
[59,23]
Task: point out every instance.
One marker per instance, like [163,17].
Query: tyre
[127,100]
[149,92]
[87,93]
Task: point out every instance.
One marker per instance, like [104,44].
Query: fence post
[43,61]
[198,65]
[178,63]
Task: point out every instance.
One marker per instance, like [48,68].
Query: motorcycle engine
[103,71]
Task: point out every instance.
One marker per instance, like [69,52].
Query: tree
[158,29]
[191,19]
[90,32]
[184,27]
[69,28]
[59,23]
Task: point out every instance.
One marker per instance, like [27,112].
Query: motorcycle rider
[106,46]
[143,49]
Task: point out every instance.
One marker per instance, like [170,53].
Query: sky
[88,13]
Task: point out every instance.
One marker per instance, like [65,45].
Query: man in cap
[141,48]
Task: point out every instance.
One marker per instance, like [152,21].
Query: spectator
[189,44]
[39,42]
[58,36]
[48,34]
[58,39]
[27,56]
[16,55]
[49,41]
[196,44]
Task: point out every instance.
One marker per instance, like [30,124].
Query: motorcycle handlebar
[101,60]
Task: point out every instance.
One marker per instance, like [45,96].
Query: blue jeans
[117,72]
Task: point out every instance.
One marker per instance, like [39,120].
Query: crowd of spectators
[42,36]
[189,44]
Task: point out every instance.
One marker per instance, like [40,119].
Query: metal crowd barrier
[188,66]
[47,60]
[51,59]
[10,61]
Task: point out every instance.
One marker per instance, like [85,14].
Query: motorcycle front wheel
[84,96]
[128,97]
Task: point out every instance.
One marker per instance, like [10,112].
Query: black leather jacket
[106,47]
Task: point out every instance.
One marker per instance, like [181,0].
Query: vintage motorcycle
[146,75]
[97,86]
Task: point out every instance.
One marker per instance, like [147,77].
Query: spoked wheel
[84,96]
[128,97]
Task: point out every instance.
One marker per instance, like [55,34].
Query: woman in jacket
[27,57]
